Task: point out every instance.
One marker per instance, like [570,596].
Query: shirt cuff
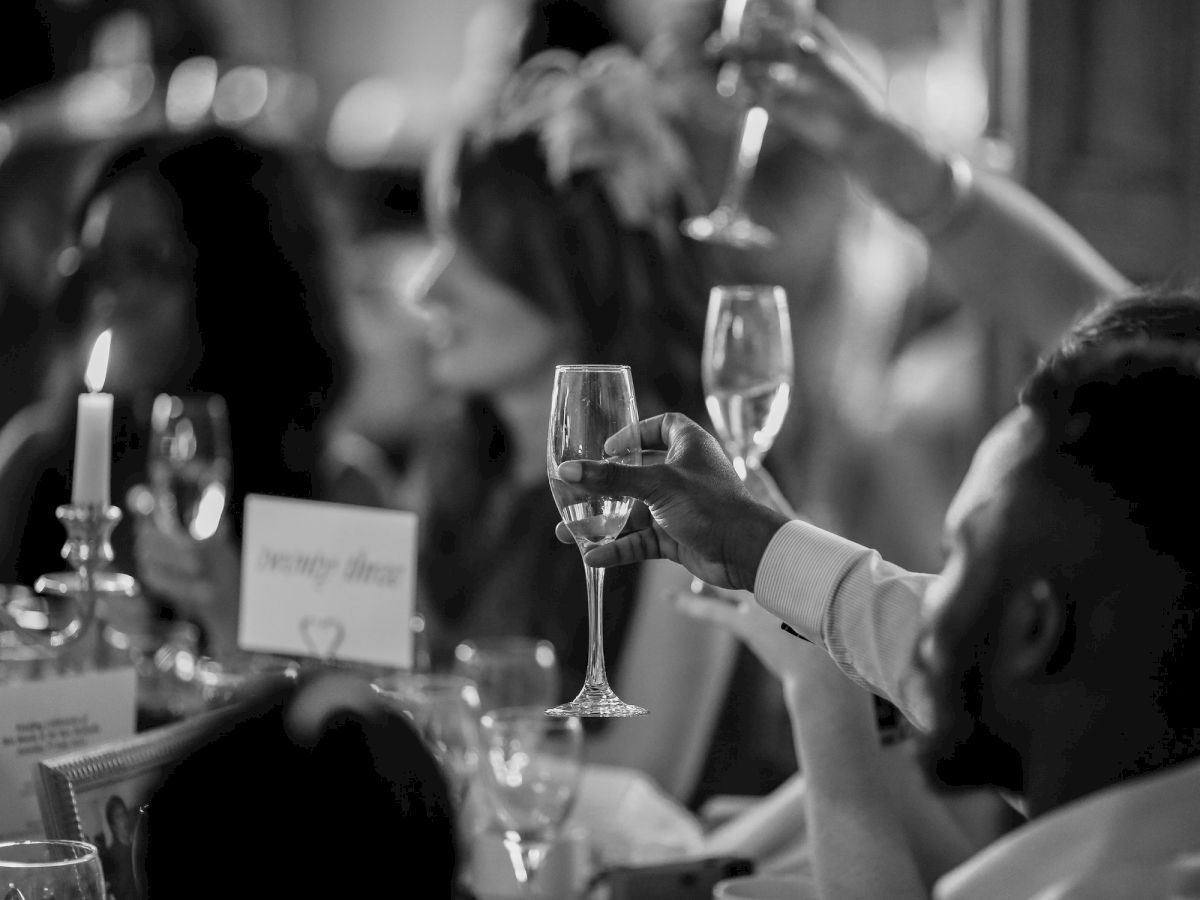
[799,574]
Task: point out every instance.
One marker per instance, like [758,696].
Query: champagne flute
[745,20]
[189,462]
[747,372]
[50,870]
[532,768]
[592,416]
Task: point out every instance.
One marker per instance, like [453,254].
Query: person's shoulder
[29,434]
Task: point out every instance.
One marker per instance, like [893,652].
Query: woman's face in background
[139,283]
[483,336]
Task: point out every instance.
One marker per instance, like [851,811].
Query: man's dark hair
[1113,474]
[1149,313]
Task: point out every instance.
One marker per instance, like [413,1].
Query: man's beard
[962,750]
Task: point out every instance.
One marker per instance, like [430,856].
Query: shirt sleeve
[864,610]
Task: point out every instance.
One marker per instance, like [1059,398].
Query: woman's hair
[584,243]
[266,333]
[316,788]
[633,294]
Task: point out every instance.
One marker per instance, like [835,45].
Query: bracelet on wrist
[956,192]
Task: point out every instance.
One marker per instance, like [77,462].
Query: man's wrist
[749,542]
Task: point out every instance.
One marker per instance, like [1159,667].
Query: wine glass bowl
[532,765]
[750,21]
[510,670]
[593,416]
[747,369]
[50,870]
[189,462]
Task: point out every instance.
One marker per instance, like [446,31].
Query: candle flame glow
[97,366]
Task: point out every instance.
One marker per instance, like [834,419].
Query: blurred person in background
[389,400]
[554,215]
[309,788]
[203,253]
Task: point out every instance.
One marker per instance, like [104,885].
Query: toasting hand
[697,511]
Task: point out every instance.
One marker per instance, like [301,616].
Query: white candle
[93,432]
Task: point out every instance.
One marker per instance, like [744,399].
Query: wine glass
[50,870]
[747,373]
[189,462]
[592,416]
[509,670]
[532,764]
[746,20]
[445,710]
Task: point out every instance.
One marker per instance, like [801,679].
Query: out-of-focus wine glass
[445,710]
[593,416]
[751,21]
[510,670]
[747,369]
[532,764]
[50,870]
[189,462]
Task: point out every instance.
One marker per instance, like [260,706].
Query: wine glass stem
[745,161]
[597,677]
[526,859]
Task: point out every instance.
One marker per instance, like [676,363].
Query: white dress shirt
[1134,840]
[844,596]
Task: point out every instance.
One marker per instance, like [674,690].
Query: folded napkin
[631,820]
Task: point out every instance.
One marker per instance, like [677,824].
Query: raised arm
[998,247]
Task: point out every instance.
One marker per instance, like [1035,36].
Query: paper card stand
[50,716]
[328,580]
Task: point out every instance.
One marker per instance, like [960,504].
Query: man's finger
[563,533]
[630,548]
[626,481]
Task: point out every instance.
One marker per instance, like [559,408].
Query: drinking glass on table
[593,416]
[445,709]
[754,21]
[532,764]
[189,462]
[50,870]
[510,670]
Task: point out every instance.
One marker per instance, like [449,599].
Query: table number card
[49,717]
[328,580]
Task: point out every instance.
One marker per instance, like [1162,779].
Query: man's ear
[1037,631]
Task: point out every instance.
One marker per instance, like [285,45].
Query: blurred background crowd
[334,109]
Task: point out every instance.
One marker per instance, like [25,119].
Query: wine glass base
[597,703]
[721,227]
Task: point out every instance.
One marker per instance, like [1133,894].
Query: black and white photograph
[602,449]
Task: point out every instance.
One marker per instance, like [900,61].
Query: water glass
[510,670]
[50,870]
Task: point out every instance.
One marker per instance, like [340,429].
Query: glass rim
[747,288]
[88,852]
[526,712]
[400,685]
[591,367]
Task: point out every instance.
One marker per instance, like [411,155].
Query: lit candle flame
[97,366]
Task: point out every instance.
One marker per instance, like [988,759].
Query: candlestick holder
[61,607]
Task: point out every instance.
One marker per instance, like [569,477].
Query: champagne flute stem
[526,859]
[597,677]
[745,161]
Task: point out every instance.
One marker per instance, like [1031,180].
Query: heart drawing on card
[322,635]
